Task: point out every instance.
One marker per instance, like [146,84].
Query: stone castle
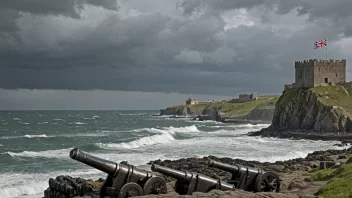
[312,73]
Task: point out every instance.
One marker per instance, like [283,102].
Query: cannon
[249,179]
[123,180]
[188,182]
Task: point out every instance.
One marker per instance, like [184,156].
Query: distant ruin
[312,73]
[248,97]
[191,101]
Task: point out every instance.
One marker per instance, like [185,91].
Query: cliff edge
[319,109]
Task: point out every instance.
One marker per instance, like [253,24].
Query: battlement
[320,61]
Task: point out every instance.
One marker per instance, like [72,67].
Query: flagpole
[326,53]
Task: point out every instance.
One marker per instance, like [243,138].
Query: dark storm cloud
[69,8]
[217,47]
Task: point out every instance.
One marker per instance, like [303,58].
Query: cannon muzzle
[225,167]
[179,175]
[111,168]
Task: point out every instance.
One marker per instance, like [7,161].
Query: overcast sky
[148,54]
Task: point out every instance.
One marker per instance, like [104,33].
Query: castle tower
[313,73]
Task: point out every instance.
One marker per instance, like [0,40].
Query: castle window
[336,74]
[326,80]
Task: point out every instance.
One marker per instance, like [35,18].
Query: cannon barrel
[111,168]
[224,167]
[179,175]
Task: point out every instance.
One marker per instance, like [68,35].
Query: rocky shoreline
[343,137]
[295,174]
[296,181]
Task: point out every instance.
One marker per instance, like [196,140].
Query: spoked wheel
[155,185]
[130,190]
[267,182]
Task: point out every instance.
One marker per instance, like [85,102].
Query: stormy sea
[35,145]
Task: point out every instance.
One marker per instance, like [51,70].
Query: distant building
[191,101]
[248,97]
[313,73]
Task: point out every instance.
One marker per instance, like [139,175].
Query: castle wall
[329,72]
[304,74]
[312,73]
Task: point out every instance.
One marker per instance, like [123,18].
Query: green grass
[340,182]
[335,96]
[269,104]
[234,109]
[322,175]
[290,94]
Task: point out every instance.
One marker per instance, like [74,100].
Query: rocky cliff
[320,109]
[262,109]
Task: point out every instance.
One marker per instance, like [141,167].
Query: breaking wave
[164,135]
[62,153]
[36,136]
[144,141]
[172,130]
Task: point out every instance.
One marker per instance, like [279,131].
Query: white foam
[62,153]
[58,119]
[43,122]
[79,123]
[25,123]
[171,129]
[60,135]
[33,185]
[16,119]
[36,136]
[144,141]
[1,145]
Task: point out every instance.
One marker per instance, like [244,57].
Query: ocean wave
[1,145]
[43,122]
[31,185]
[47,154]
[54,136]
[240,126]
[78,123]
[144,141]
[36,136]
[164,135]
[171,129]
[24,136]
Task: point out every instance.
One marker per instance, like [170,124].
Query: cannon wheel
[130,190]
[155,185]
[267,182]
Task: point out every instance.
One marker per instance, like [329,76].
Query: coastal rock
[181,111]
[300,109]
[259,114]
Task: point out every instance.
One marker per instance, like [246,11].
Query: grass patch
[335,96]
[323,175]
[269,104]
[340,184]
